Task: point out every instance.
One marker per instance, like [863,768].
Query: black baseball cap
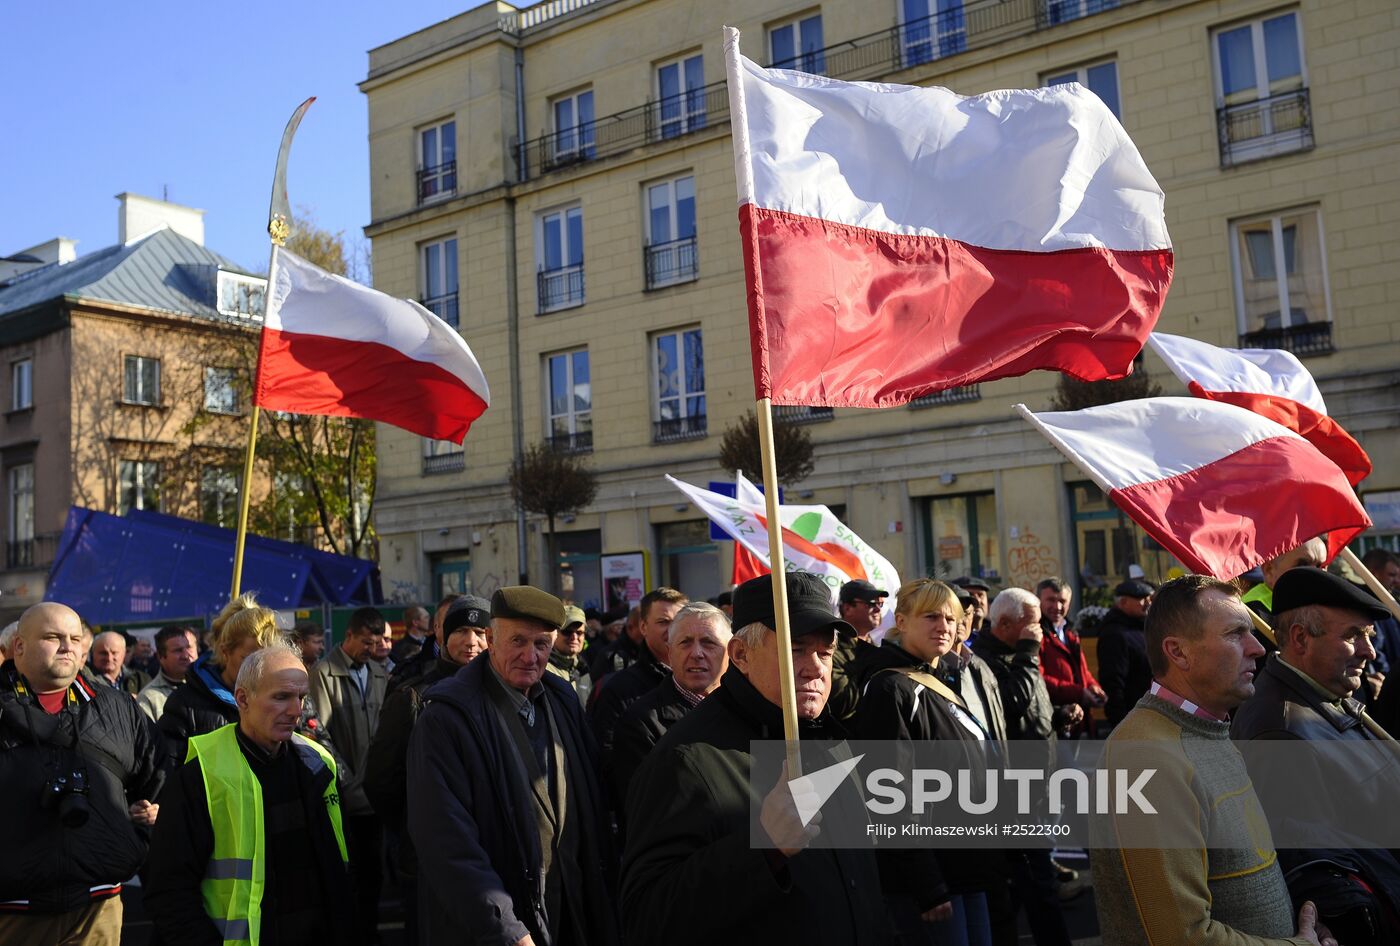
[809,605]
[860,590]
[1299,587]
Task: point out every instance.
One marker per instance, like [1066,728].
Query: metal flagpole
[279,217]
[778,567]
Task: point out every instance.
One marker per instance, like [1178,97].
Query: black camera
[67,792]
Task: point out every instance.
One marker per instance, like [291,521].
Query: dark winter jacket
[1024,700]
[618,692]
[643,724]
[1124,672]
[46,867]
[689,815]
[850,648]
[472,821]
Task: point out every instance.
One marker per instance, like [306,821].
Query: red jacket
[1064,668]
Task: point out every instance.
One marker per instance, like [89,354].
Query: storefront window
[960,537]
[689,559]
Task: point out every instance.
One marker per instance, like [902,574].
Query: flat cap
[1299,587]
[809,605]
[525,602]
[1134,588]
[573,615]
[860,590]
[970,581]
[470,611]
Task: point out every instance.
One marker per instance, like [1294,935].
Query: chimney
[139,216]
[57,250]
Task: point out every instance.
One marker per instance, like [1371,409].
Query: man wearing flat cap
[860,604]
[508,818]
[1124,671]
[688,808]
[981,594]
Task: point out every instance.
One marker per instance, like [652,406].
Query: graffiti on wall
[1029,560]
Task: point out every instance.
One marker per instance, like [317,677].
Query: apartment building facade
[558,182]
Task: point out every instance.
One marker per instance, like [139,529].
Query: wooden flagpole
[278,229]
[778,567]
[1372,582]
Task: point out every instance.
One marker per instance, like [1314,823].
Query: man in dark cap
[508,817]
[981,594]
[859,603]
[1305,692]
[688,809]
[461,636]
[1124,672]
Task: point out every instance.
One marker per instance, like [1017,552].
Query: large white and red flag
[1269,382]
[332,346]
[899,241]
[1221,488]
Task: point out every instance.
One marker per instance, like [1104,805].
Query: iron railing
[578,442]
[437,181]
[674,429]
[671,263]
[801,414]
[445,463]
[970,392]
[559,288]
[1265,127]
[1310,338]
[444,307]
[31,552]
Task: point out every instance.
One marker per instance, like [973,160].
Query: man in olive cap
[566,660]
[509,819]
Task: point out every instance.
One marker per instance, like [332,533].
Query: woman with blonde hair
[205,701]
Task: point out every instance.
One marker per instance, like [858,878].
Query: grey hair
[704,613]
[7,635]
[250,674]
[753,635]
[1011,603]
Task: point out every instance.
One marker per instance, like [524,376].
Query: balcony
[1309,338]
[970,392]
[670,263]
[800,414]
[1266,127]
[435,183]
[445,463]
[559,288]
[443,306]
[34,552]
[675,429]
[577,442]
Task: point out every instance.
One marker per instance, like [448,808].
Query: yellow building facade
[559,181]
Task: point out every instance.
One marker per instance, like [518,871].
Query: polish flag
[899,241]
[331,346]
[1269,382]
[1221,488]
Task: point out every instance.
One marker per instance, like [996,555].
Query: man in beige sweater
[1202,870]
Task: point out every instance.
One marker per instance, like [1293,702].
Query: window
[439,280]
[442,456]
[930,29]
[569,425]
[960,536]
[680,87]
[970,392]
[20,552]
[1281,292]
[142,382]
[678,359]
[559,243]
[218,495]
[670,249]
[1063,11]
[241,296]
[689,558]
[1261,92]
[797,44]
[573,128]
[21,384]
[138,486]
[437,161]
[221,390]
[1100,78]
[580,567]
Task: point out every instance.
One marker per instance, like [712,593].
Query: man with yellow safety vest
[250,847]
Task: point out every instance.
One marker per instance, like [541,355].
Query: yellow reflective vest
[233,881]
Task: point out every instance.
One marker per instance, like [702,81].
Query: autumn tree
[551,483]
[792,450]
[1071,394]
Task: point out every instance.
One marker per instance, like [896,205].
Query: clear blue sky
[101,97]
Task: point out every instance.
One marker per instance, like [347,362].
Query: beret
[1299,587]
[525,602]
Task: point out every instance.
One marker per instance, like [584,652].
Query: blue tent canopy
[152,567]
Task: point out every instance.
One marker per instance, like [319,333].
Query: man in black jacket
[616,691]
[1124,672]
[508,817]
[78,767]
[689,805]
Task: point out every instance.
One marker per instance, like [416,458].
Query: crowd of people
[531,773]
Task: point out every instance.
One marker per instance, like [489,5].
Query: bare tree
[552,484]
[792,450]
[1071,394]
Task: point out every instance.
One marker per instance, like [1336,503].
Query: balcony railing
[32,552]
[975,24]
[437,182]
[679,428]
[1265,127]
[671,263]
[579,442]
[970,392]
[800,414]
[445,463]
[1310,338]
[560,288]
[444,307]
